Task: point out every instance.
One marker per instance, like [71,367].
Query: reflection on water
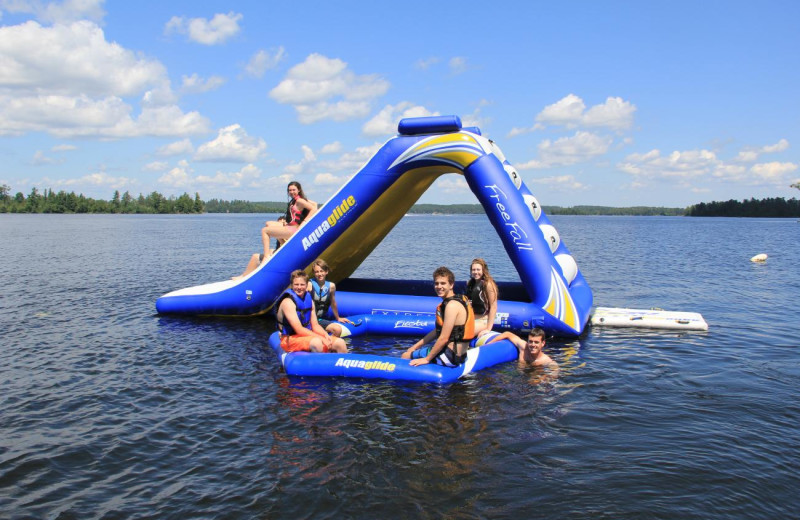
[110,411]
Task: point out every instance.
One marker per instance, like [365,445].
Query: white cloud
[686,165]
[95,179]
[568,150]
[194,84]
[334,147]
[263,61]
[63,148]
[458,65]
[384,123]
[207,32]
[246,176]
[178,177]
[570,112]
[560,183]
[67,80]
[303,165]
[426,63]
[751,154]
[57,12]
[40,159]
[699,164]
[351,162]
[452,184]
[615,113]
[323,88]
[71,60]
[232,144]
[339,111]
[773,171]
[155,166]
[181,147]
[524,130]
[328,179]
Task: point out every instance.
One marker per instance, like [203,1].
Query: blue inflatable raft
[371,366]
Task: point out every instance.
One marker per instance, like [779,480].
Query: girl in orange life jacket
[298,209]
[454,326]
[482,291]
[297,320]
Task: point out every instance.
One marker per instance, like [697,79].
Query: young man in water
[297,320]
[455,325]
[530,352]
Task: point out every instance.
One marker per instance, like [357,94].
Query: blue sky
[616,103]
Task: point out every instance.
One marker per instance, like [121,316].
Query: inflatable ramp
[553,293]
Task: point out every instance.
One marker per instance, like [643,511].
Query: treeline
[63,202]
[244,206]
[766,208]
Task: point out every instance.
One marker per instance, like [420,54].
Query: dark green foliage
[63,202]
[769,208]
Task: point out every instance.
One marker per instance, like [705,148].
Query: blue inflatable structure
[370,366]
[553,294]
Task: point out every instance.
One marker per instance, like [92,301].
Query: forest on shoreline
[63,202]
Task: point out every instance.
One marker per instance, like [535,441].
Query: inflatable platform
[553,294]
[370,366]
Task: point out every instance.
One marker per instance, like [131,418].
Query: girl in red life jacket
[298,209]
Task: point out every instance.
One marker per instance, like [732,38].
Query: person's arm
[310,205]
[444,336]
[491,294]
[334,308]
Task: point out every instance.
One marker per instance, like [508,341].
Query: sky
[612,103]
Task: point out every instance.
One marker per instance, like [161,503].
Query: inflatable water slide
[553,294]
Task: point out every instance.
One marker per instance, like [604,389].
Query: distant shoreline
[155,203]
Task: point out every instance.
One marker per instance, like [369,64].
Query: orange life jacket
[460,332]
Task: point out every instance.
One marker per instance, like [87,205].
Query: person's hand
[345,320]
[420,361]
[327,340]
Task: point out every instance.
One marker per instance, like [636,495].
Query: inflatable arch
[553,294]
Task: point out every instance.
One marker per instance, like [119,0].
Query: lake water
[110,411]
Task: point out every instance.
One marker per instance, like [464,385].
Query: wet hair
[297,273]
[447,273]
[537,332]
[296,184]
[487,279]
[322,264]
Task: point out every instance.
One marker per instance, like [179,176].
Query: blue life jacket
[303,308]
[321,296]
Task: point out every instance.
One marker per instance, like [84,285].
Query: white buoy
[533,206]
[761,257]
[568,266]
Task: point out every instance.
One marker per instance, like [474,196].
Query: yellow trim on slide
[363,236]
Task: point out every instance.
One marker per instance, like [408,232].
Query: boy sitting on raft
[297,320]
[455,325]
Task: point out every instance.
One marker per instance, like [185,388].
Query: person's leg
[255,261]
[335,329]
[339,346]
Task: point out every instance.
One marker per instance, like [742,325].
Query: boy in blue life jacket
[297,320]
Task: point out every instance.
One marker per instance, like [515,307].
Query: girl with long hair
[482,291]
